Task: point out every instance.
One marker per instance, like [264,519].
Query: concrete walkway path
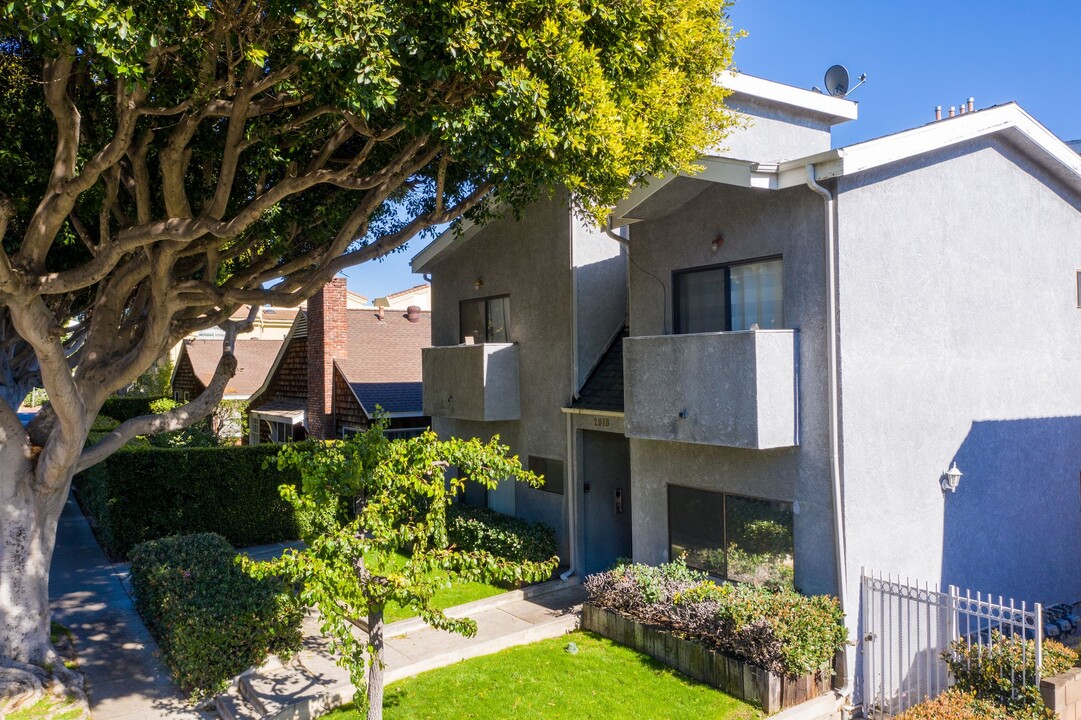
[125,678]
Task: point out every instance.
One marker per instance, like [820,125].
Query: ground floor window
[552,470]
[403,433]
[734,537]
[280,432]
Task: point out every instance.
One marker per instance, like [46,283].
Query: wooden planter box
[756,685]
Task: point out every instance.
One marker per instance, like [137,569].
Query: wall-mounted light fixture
[479,283]
[715,245]
[951,479]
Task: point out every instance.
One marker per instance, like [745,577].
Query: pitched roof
[603,389]
[383,363]
[254,358]
[1009,121]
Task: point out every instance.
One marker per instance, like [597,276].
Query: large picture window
[734,537]
[485,320]
[730,297]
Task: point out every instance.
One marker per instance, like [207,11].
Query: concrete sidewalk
[125,679]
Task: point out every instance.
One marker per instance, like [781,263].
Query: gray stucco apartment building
[771,365]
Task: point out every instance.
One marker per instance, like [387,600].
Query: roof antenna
[836,82]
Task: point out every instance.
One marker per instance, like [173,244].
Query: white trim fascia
[741,173]
[587,411]
[452,237]
[837,110]
[881,151]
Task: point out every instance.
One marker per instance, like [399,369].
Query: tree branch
[177,418]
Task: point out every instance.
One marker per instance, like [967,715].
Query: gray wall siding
[600,276]
[773,132]
[961,340]
[754,224]
[530,262]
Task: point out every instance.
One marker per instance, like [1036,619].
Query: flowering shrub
[211,618]
[774,628]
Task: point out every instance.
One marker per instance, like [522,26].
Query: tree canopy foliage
[165,163]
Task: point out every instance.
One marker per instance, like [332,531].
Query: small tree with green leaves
[395,496]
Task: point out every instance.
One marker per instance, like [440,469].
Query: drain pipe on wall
[834,424]
[572,502]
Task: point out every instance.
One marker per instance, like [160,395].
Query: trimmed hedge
[125,408]
[955,704]
[774,628]
[143,493]
[211,618]
[474,528]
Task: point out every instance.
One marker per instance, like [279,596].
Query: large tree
[165,163]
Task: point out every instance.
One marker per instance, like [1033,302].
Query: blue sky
[916,55]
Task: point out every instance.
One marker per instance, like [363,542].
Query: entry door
[606,500]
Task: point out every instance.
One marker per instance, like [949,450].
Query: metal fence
[906,627]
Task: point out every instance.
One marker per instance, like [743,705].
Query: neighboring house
[418,296]
[337,366]
[809,329]
[198,359]
[195,366]
[523,313]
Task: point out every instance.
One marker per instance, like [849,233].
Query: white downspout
[571,490]
[834,411]
[574,312]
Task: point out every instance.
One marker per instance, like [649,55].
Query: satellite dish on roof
[836,81]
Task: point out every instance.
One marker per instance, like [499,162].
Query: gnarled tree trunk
[375,668]
[28,518]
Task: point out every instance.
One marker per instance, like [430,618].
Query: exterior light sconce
[479,283]
[951,479]
[716,243]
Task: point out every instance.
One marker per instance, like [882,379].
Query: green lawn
[458,593]
[604,681]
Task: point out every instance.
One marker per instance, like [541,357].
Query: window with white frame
[730,297]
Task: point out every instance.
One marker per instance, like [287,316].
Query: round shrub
[211,618]
[957,704]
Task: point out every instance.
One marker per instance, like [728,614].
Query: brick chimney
[327,339]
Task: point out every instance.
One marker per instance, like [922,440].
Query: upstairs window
[486,320]
[730,297]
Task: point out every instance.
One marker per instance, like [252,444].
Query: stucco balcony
[734,389]
[472,382]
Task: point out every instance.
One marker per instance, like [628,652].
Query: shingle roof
[603,389]
[383,363]
[254,358]
[402,397]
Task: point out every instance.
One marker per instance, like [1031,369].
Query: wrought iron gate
[905,628]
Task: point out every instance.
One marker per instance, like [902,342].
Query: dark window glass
[701,301]
[760,545]
[485,320]
[696,528]
[730,297]
[551,470]
[737,538]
